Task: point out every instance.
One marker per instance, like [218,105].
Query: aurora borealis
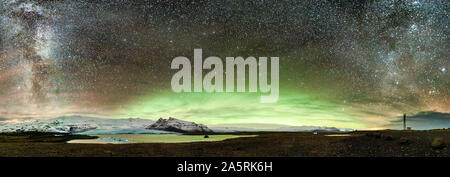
[347,64]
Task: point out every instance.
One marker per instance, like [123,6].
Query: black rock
[388,138]
[404,141]
[438,143]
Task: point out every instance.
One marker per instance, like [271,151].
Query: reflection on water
[339,135]
[154,138]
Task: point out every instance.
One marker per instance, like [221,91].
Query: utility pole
[404,121]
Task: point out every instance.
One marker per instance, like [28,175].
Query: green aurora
[293,108]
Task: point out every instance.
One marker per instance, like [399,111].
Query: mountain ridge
[91,125]
[176,125]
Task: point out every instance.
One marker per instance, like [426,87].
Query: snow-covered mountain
[312,129]
[275,128]
[91,125]
[81,125]
[176,125]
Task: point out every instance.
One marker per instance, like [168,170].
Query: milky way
[348,64]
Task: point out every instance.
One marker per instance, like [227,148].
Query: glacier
[83,125]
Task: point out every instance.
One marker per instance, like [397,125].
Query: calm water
[154,138]
[339,135]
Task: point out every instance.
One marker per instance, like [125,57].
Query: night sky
[347,64]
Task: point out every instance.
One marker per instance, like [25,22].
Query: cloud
[424,120]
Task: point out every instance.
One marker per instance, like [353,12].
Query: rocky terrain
[389,143]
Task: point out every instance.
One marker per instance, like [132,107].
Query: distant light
[443,69]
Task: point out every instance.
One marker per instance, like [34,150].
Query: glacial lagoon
[154,138]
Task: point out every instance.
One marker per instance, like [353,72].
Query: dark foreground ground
[303,144]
